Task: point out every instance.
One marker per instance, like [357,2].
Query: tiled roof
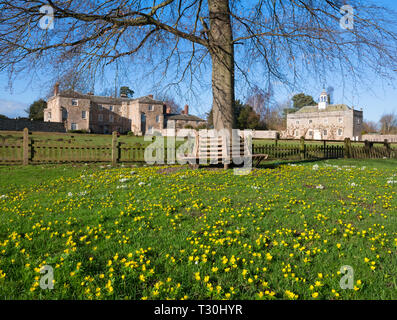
[186,117]
[104,99]
[330,108]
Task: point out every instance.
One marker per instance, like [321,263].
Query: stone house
[325,122]
[100,114]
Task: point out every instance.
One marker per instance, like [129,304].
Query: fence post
[25,147]
[347,151]
[302,148]
[115,152]
[388,148]
[367,148]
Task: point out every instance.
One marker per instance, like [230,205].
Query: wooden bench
[213,149]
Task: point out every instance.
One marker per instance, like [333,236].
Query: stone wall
[40,126]
[380,137]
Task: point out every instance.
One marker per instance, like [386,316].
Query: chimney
[168,110]
[186,109]
[56,89]
[150,96]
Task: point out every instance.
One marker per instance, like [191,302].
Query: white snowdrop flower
[391,182]
[320,187]
[141,183]
[315,167]
[196,262]
[70,194]
[123,186]
[124,180]
[3,196]
[132,172]
[353,184]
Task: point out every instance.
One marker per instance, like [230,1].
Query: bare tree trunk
[222,54]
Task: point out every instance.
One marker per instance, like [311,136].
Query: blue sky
[379,98]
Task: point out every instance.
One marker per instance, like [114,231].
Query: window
[150,107]
[310,121]
[74,126]
[296,133]
[325,132]
[100,107]
[84,114]
[100,117]
[111,118]
[297,121]
[75,102]
[49,115]
[340,132]
[326,120]
[358,121]
[111,108]
[310,133]
[150,129]
[157,118]
[340,120]
[64,114]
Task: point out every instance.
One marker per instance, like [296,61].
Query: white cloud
[13,109]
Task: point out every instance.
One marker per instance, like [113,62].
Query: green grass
[169,232]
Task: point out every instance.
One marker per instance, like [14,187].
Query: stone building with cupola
[101,114]
[325,121]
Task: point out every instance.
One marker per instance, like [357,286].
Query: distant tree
[259,100]
[247,117]
[2,116]
[388,123]
[36,110]
[300,100]
[169,101]
[370,127]
[127,92]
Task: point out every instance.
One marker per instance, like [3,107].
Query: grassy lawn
[281,232]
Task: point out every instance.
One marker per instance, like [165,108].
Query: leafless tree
[370,126]
[281,40]
[388,123]
[169,101]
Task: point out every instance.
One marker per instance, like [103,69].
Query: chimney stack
[168,110]
[186,109]
[56,89]
[150,96]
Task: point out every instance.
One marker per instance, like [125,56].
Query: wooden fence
[25,150]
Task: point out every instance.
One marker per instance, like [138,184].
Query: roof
[105,99]
[329,108]
[186,117]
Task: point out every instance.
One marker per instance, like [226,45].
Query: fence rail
[26,150]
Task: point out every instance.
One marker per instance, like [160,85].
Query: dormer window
[75,102]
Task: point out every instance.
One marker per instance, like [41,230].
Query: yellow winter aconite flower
[315,294]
